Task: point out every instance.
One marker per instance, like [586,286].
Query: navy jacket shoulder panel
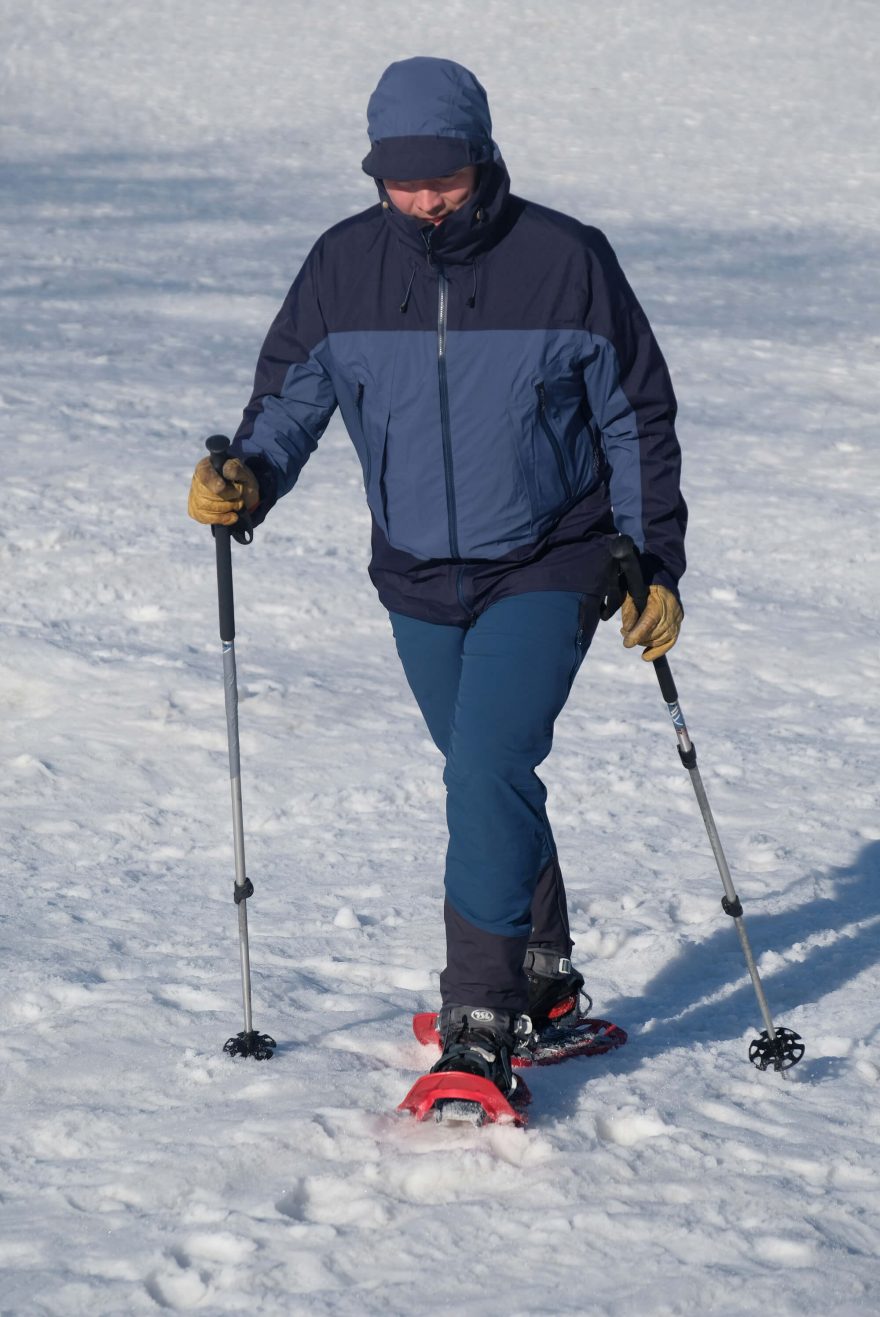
[564,227]
[308,311]
[361,271]
[355,231]
[605,298]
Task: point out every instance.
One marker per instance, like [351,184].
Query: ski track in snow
[167,168]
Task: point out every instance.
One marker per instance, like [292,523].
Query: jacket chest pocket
[370,442]
[367,459]
[545,423]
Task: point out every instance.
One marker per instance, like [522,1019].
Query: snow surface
[167,166]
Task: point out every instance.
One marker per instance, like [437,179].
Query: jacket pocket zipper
[579,641]
[553,440]
[360,414]
[582,624]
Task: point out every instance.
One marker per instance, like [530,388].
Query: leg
[518,662]
[550,911]
[552,634]
[431,658]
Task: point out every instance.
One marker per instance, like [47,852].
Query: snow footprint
[628,1127]
[176,1285]
[333,1200]
[602,945]
[207,1264]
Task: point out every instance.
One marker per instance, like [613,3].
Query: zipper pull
[582,624]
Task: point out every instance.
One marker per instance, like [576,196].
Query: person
[512,412]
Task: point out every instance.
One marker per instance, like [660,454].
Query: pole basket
[779,1053]
[258,1046]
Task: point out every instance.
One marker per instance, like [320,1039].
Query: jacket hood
[427,118]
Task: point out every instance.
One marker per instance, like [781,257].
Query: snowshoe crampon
[578,1037]
[454,1097]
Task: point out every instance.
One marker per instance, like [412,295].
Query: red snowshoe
[472,1083]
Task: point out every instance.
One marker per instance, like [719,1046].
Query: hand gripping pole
[775,1047]
[248,1042]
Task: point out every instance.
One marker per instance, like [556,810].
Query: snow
[167,166]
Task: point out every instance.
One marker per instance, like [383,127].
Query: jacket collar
[468,232]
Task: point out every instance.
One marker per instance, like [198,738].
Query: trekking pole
[776,1047]
[247,1043]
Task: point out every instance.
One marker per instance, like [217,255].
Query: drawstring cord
[405,303]
[472,300]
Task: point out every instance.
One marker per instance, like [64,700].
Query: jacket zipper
[442,316]
[360,412]
[554,442]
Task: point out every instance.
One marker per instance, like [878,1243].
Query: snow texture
[166,168]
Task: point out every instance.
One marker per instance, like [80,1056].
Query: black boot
[556,996]
[480,1041]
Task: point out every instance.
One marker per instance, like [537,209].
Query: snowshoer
[512,412]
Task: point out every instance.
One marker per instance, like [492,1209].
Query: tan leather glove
[657,627]
[215,499]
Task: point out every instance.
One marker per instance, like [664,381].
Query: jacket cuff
[654,573]
[266,479]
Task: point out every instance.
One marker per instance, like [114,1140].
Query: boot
[555,990]
[480,1041]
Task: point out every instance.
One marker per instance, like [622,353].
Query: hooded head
[427,118]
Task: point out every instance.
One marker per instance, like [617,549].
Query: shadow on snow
[826,942]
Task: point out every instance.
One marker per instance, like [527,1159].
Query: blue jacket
[499,381]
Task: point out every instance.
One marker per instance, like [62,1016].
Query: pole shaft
[230,688]
[245,958]
[689,757]
[230,684]
[623,552]
[237,832]
[730,893]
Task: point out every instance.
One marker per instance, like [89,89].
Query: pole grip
[218,447]
[623,551]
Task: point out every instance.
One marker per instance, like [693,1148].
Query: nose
[429,201]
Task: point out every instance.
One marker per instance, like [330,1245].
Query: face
[432,199]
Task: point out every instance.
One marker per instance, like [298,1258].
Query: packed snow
[166,168]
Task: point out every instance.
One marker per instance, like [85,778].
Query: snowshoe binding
[473,1082]
[560,1013]
[556,989]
